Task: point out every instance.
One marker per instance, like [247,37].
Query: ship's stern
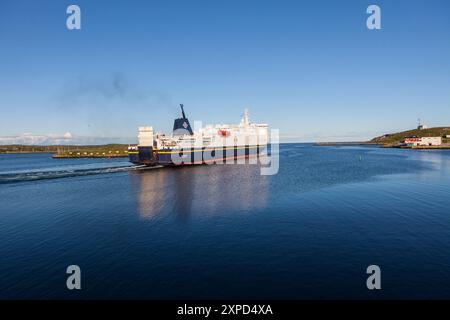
[143,154]
[133,154]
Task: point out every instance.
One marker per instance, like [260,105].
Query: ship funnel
[182,110]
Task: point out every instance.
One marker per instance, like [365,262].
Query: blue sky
[310,68]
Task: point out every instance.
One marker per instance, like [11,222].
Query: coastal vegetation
[71,151]
[394,139]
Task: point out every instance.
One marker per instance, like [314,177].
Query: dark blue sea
[225,231]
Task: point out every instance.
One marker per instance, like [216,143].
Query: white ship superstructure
[205,144]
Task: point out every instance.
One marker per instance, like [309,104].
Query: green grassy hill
[108,150]
[395,138]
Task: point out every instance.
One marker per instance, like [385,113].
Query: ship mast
[245,118]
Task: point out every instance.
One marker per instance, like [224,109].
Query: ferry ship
[220,143]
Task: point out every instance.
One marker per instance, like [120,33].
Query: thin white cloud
[37,139]
[60,139]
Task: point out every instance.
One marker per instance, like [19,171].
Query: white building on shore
[423,141]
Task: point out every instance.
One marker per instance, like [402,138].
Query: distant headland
[419,138]
[71,151]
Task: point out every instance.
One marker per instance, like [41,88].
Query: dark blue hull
[205,155]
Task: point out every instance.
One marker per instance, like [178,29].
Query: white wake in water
[61,173]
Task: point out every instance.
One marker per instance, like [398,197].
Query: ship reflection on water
[203,190]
